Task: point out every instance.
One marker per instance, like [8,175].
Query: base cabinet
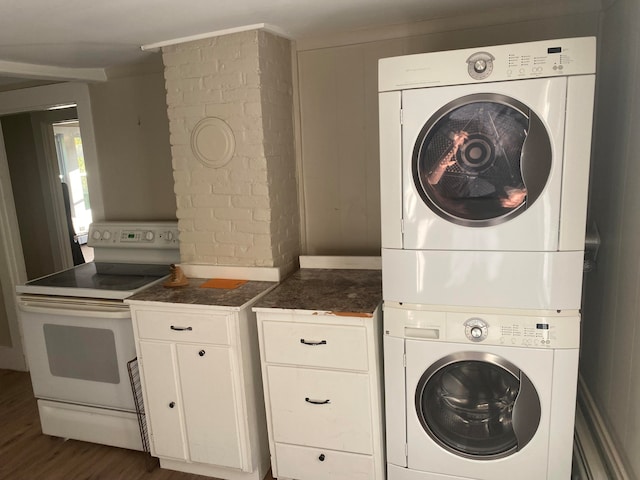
[201,389]
[323,394]
[190,417]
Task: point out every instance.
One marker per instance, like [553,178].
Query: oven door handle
[76,311]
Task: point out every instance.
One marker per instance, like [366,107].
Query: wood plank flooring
[27,454]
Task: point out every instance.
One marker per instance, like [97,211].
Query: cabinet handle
[172,404]
[317,402]
[180,329]
[201,353]
[321,342]
[321,457]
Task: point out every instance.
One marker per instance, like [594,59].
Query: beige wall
[132,139]
[339,126]
[610,359]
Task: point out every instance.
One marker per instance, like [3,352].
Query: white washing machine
[484,174]
[479,395]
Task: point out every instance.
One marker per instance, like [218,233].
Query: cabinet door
[162,401]
[211,405]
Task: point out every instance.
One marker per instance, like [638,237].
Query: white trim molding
[217,33]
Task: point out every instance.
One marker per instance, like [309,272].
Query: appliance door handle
[317,402]
[78,311]
[526,412]
[313,344]
[535,160]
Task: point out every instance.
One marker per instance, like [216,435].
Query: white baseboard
[595,452]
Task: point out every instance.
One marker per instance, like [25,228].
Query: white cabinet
[322,384]
[200,373]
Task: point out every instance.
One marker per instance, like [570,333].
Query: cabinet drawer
[332,346]
[317,464]
[320,408]
[183,327]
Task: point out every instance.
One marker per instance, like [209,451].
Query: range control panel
[134,235]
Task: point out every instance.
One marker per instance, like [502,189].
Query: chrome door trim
[536,157]
[526,405]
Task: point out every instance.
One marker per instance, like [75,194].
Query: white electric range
[78,334]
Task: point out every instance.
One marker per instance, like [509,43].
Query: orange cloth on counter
[226,283]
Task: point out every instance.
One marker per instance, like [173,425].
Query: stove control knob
[148,236]
[106,235]
[476,329]
[96,235]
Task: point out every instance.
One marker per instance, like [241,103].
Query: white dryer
[484,174]
[479,395]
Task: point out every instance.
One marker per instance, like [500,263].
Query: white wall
[610,360]
[338,120]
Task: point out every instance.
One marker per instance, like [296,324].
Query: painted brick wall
[244,213]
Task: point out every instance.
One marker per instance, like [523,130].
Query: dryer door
[481,160]
[482,166]
[477,405]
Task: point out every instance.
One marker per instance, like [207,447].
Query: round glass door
[481,160]
[477,405]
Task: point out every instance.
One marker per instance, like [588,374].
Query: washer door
[481,160]
[477,405]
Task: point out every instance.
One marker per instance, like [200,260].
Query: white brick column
[244,213]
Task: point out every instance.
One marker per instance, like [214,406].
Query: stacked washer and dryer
[484,176]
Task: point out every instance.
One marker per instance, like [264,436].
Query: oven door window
[481,407]
[481,160]
[82,353]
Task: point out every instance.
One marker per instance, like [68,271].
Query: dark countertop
[339,291]
[194,295]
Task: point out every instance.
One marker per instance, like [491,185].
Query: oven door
[78,351]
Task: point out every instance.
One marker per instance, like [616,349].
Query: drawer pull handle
[317,402]
[180,329]
[201,353]
[172,404]
[313,344]
[321,457]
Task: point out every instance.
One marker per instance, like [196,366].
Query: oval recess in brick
[213,142]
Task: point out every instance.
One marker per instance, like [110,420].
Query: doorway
[48,177]
[73,177]
[13,269]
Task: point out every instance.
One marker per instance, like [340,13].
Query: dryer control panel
[547,58]
[518,329]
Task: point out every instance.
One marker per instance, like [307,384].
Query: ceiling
[66,39]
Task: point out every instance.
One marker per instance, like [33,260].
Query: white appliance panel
[527,280]
[534,230]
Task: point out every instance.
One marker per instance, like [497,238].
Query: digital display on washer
[554,50]
[542,326]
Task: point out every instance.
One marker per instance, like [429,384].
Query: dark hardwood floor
[27,454]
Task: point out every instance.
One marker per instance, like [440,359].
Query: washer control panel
[551,329]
